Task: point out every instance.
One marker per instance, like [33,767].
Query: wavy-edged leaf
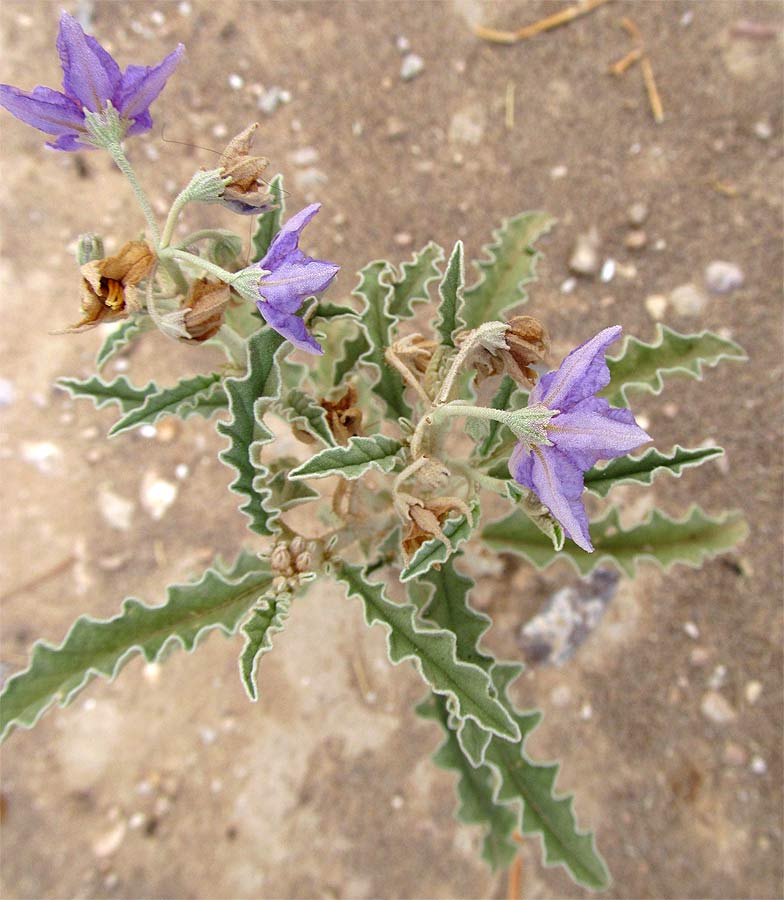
[411,286]
[642,367]
[474,791]
[285,493]
[360,454]
[433,652]
[258,631]
[201,395]
[353,349]
[509,264]
[119,338]
[376,290]
[435,551]
[248,398]
[220,599]
[663,540]
[328,311]
[268,223]
[119,391]
[643,469]
[302,410]
[450,292]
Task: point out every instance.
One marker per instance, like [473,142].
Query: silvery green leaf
[201,395]
[411,285]
[450,292]
[119,338]
[119,391]
[360,454]
[434,551]
[265,621]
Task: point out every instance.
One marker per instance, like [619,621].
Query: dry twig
[547,24]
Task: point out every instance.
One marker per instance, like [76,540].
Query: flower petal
[291,327]
[592,430]
[142,84]
[292,282]
[44,109]
[284,245]
[90,75]
[558,483]
[580,375]
[69,142]
[140,124]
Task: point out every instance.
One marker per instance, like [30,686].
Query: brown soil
[168,783]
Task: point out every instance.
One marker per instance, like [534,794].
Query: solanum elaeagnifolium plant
[396,491]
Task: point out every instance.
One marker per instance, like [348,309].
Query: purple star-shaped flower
[91,80]
[289,277]
[584,430]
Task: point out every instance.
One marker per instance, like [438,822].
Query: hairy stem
[121,160]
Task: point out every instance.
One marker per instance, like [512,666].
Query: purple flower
[91,80]
[288,278]
[584,430]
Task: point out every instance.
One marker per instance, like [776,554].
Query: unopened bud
[297,545]
[280,559]
[89,248]
[303,562]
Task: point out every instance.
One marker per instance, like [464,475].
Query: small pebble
[691,629]
[636,239]
[688,300]
[558,172]
[717,708]
[586,711]
[561,695]
[763,130]
[136,820]
[568,285]
[758,765]
[467,126]
[269,100]
[585,255]
[156,495]
[148,432]
[656,306]
[753,691]
[117,511]
[220,130]
[402,43]
[403,239]
[735,755]
[397,802]
[109,842]
[411,66]
[396,128]
[699,656]
[718,677]
[236,82]
[208,735]
[637,213]
[723,277]
[181,471]
[7,392]
[608,271]
[44,455]
[305,156]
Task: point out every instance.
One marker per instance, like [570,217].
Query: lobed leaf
[642,367]
[119,338]
[509,264]
[202,395]
[119,391]
[101,647]
[258,631]
[359,455]
[328,311]
[643,469]
[411,286]
[433,652]
[248,398]
[451,293]
[268,223]
[353,349]
[659,538]
[302,410]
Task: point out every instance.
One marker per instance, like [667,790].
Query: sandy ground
[168,783]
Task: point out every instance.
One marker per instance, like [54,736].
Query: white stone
[717,708]
[753,691]
[688,300]
[109,842]
[723,277]
[156,495]
[44,455]
[411,66]
[117,511]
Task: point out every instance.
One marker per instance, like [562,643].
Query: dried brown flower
[247,192]
[108,285]
[344,416]
[206,304]
[425,520]
[525,343]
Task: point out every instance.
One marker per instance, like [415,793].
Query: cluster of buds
[292,560]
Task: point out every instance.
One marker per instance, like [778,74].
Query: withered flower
[206,304]
[426,518]
[344,416]
[247,193]
[108,285]
[525,342]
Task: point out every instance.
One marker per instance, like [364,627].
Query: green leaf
[433,652]
[359,455]
[329,311]
[451,293]
[101,647]
[510,264]
[643,469]
[302,410]
[286,493]
[474,790]
[258,632]
[128,330]
[101,392]
[353,349]
[268,223]
[248,399]
[202,395]
[434,551]
[543,812]
[665,541]
[411,286]
[641,366]
[376,291]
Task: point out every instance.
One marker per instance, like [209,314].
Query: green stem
[121,160]
[173,271]
[198,262]
[202,235]
[180,202]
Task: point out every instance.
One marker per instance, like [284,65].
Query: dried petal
[206,304]
[344,417]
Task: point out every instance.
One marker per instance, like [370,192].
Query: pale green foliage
[201,395]
[644,468]
[663,540]
[123,335]
[220,599]
[258,630]
[303,411]
[509,264]
[359,455]
[450,292]
[642,367]
[411,285]
[434,551]
[248,399]
[119,391]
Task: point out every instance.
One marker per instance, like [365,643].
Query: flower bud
[89,248]
[280,559]
[297,545]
